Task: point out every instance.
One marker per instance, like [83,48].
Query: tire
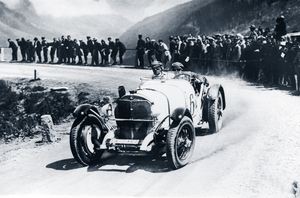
[83,148]
[180,143]
[215,114]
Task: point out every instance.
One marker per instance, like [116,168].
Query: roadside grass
[23,102]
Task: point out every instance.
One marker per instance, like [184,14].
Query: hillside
[214,16]
[23,21]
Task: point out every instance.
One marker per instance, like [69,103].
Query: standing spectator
[104,52]
[165,55]
[62,51]
[266,32]
[113,50]
[90,45]
[183,52]
[176,54]
[14,48]
[23,48]
[38,48]
[121,49]
[236,56]
[172,45]
[297,67]
[45,49]
[147,48]
[97,47]
[282,64]
[191,55]
[85,50]
[53,49]
[69,49]
[253,34]
[154,50]
[58,50]
[73,53]
[280,28]
[290,57]
[268,59]
[30,51]
[200,53]
[140,52]
[77,52]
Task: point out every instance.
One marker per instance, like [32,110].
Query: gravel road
[256,154]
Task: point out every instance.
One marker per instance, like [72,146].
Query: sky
[133,10]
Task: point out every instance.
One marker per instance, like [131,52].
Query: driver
[157,70]
[177,67]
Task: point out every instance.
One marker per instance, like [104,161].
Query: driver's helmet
[177,66]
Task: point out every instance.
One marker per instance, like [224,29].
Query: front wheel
[180,143]
[215,114]
[83,137]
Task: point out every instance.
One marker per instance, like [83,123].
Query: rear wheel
[215,114]
[180,143]
[83,138]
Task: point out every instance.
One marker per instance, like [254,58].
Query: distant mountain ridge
[23,21]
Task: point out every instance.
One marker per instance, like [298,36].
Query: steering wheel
[183,76]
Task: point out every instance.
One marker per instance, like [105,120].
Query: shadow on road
[66,164]
[130,164]
[267,86]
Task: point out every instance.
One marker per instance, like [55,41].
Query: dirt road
[256,154]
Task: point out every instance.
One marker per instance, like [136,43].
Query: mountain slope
[23,21]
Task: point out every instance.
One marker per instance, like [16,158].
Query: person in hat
[104,52]
[113,50]
[280,28]
[253,34]
[14,48]
[62,50]
[77,52]
[147,48]
[38,48]
[157,70]
[85,50]
[141,44]
[30,51]
[53,49]
[121,49]
[165,54]
[90,45]
[177,67]
[45,49]
[69,49]
[96,49]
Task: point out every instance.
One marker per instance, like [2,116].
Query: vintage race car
[158,118]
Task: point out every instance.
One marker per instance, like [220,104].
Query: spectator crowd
[67,50]
[263,55]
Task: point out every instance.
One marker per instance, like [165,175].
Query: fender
[179,113]
[83,110]
[212,93]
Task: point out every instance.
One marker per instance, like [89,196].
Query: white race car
[158,118]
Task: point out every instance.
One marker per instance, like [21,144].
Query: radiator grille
[133,115]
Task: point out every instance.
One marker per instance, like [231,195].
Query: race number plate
[119,141]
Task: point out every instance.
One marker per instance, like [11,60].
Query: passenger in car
[177,67]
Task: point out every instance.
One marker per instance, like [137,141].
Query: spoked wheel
[180,143]
[215,114]
[84,140]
